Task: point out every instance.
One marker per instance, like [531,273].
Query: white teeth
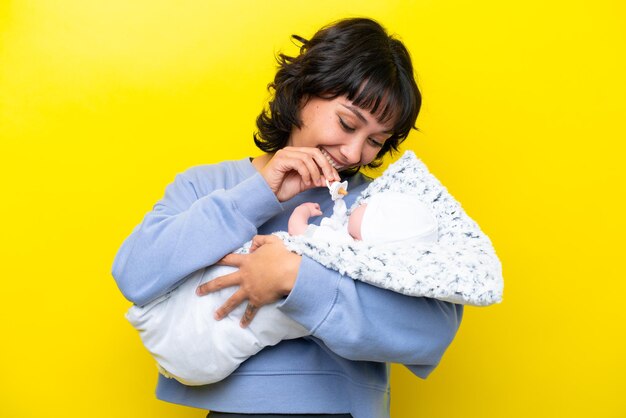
[330,159]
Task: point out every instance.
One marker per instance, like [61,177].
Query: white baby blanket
[462,267]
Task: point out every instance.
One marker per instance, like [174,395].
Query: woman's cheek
[332,136]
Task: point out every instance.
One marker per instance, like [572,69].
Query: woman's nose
[352,151]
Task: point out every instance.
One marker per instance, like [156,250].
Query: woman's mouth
[330,159]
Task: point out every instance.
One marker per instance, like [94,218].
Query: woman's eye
[375,143]
[345,126]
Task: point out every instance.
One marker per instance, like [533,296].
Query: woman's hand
[292,170]
[264,276]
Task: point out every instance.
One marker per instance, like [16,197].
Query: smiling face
[347,135]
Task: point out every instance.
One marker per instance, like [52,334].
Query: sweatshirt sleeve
[359,321]
[201,218]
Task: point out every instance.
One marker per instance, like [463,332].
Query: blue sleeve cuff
[264,205]
[313,295]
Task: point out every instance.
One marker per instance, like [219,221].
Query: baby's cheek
[354,222]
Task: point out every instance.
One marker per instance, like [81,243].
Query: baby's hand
[299,219]
[309,209]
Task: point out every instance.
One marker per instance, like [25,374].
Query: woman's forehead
[382,104]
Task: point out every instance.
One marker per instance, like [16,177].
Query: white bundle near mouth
[461,267]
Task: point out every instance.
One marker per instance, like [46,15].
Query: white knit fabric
[462,267]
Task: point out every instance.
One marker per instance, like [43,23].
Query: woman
[346,100]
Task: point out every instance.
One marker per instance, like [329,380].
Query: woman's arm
[208,212]
[359,321]
[205,214]
[356,320]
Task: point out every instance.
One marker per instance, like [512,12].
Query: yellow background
[103,102]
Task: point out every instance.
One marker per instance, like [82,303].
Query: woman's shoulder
[242,166]
[221,175]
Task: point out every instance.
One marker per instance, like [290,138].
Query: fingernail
[216,316]
[198,291]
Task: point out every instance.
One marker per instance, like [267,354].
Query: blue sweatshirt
[356,329]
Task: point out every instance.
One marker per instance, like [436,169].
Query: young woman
[346,100]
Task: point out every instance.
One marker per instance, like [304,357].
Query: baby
[190,346]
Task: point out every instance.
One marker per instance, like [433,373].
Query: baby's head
[391,217]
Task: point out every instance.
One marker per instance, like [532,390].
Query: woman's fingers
[304,162]
[264,276]
[308,175]
[310,172]
[235,300]
[232,259]
[228,280]
[259,240]
[248,316]
[232,303]
[294,169]
[330,173]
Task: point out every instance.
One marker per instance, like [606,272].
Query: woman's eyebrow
[356,112]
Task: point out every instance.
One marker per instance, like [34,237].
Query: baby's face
[355,220]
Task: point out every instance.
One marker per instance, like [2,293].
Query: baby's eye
[345,126]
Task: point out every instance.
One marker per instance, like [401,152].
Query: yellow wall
[103,102]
